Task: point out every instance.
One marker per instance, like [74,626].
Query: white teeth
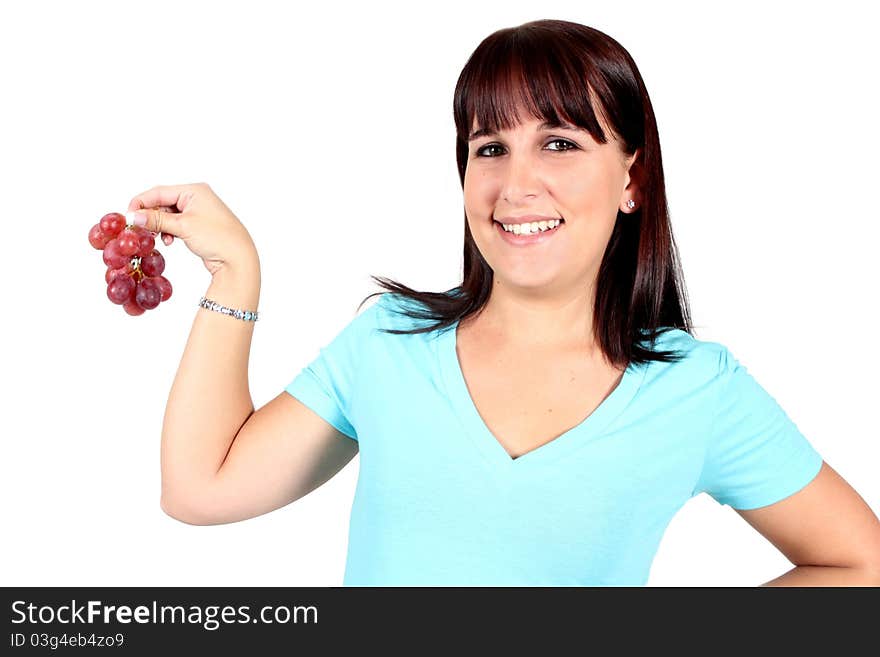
[534,227]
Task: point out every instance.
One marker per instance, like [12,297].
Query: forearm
[826,576]
[210,397]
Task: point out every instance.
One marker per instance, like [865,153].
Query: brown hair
[556,69]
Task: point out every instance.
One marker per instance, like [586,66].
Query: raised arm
[221,461]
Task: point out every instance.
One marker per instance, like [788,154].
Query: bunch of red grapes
[134,267]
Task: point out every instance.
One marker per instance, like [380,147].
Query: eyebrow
[546,125]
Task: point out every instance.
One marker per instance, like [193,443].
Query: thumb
[154,220]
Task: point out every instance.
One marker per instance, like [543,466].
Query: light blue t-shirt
[439,501]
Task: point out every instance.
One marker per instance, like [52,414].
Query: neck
[557,322]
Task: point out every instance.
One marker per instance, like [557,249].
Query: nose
[520,178]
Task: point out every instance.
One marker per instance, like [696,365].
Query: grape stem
[137,272]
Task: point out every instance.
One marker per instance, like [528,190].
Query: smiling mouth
[526,240]
[510,232]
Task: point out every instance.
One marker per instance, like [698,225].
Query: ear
[635,167]
[635,180]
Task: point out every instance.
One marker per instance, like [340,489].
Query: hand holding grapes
[191,212]
[196,215]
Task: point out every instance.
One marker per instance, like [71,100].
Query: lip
[530,239]
[525,219]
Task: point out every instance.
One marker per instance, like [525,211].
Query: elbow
[182,512]
[873,574]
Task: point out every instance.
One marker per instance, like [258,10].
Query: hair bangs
[508,79]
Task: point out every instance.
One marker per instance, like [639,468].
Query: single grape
[112,224]
[112,273]
[112,256]
[119,289]
[129,242]
[153,264]
[97,237]
[132,308]
[147,241]
[148,294]
[165,286]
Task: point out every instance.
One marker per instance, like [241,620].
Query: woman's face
[555,172]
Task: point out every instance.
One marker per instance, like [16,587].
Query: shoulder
[701,361]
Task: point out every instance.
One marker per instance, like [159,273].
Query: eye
[568,146]
[479,151]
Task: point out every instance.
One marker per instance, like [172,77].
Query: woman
[539,424]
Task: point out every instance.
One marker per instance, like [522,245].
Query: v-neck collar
[483,439]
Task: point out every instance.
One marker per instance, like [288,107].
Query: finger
[157,233]
[176,197]
[156,221]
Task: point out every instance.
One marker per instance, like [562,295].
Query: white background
[328,130]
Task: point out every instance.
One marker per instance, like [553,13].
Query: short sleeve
[327,383]
[755,454]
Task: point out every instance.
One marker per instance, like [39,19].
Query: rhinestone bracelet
[247,315]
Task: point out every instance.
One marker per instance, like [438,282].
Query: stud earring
[630,204]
